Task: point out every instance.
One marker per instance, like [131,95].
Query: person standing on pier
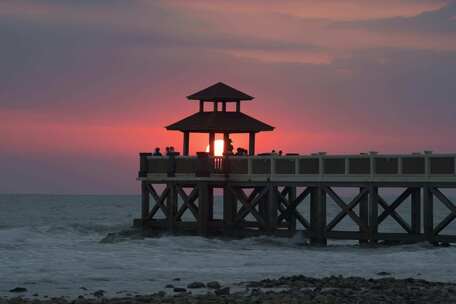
[157,152]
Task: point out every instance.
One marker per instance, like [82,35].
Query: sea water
[50,244]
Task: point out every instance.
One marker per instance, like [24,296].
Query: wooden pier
[271,188]
[265,195]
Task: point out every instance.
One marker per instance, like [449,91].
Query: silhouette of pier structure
[267,194]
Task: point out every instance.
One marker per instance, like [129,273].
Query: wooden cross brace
[390,209]
[249,203]
[346,209]
[189,202]
[291,207]
[159,201]
[449,218]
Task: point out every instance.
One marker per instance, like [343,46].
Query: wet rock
[176,279]
[16,300]
[293,290]
[222,291]
[195,285]
[18,289]
[169,286]
[99,293]
[324,299]
[79,300]
[213,285]
[383,273]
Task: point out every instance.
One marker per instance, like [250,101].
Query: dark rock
[176,279]
[195,285]
[383,273]
[161,293]
[99,293]
[169,286]
[18,289]
[79,300]
[222,291]
[213,285]
[83,288]
[179,289]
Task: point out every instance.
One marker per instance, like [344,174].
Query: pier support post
[145,202]
[272,208]
[172,207]
[203,199]
[318,216]
[428,212]
[263,207]
[292,217]
[211,143]
[252,143]
[210,203]
[229,210]
[373,213]
[416,211]
[186,146]
[364,216]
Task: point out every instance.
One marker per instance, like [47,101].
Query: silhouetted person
[157,152]
[229,147]
[273,152]
[243,152]
[280,152]
[167,150]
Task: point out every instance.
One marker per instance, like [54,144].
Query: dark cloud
[441,21]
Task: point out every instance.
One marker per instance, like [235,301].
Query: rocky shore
[294,289]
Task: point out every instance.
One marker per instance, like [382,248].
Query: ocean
[51,245]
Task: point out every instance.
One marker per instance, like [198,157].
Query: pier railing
[378,167]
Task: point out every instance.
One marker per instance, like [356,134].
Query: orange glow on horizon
[218,147]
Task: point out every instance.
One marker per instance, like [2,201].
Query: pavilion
[219,120]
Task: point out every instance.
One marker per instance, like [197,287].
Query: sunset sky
[86,85]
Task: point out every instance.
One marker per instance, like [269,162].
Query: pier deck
[262,195]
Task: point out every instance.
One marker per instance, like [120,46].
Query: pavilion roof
[220,92]
[232,122]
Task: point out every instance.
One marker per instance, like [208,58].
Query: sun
[218,147]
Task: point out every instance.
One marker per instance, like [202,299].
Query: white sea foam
[51,245]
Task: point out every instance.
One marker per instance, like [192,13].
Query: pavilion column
[226,139]
[252,143]
[211,143]
[186,149]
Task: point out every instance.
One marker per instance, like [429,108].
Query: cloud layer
[88,84]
